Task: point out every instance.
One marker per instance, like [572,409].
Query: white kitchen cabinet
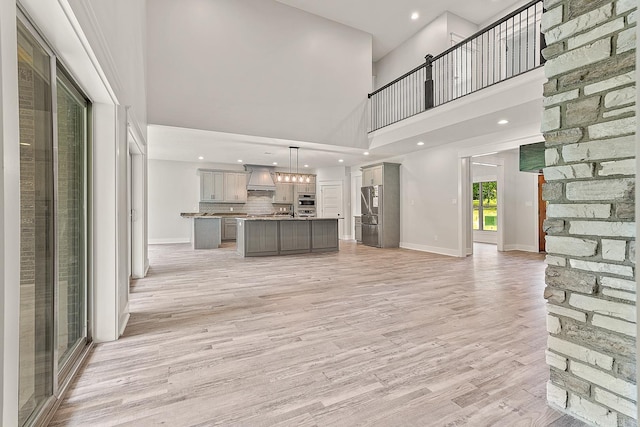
[284,193]
[211,186]
[307,187]
[218,186]
[235,187]
[372,176]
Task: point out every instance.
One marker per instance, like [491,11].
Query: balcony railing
[505,49]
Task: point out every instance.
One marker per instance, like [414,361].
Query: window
[485,206]
[53,210]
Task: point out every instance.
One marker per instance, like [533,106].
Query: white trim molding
[430,249]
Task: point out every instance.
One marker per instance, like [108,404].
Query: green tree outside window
[485,206]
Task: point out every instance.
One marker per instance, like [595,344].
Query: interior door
[331,203]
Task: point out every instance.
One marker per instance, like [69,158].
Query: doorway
[482,213]
[331,202]
[137,205]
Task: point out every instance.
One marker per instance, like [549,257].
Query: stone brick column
[589,127]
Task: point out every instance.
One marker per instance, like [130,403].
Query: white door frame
[138,213]
[465,207]
[355,201]
[465,211]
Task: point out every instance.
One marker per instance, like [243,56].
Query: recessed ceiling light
[275,163]
[415,15]
[306,166]
[503,122]
[341,160]
[420,143]
[239,160]
[366,153]
[200,158]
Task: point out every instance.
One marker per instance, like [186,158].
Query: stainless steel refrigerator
[372,215]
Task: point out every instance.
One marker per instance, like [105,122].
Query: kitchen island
[285,236]
[206,231]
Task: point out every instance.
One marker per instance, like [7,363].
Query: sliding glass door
[53,194]
[36,228]
[70,220]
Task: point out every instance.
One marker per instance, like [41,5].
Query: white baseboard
[431,249]
[169,241]
[124,320]
[524,248]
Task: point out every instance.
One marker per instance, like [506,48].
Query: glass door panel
[490,206]
[70,219]
[37,228]
[53,248]
[485,206]
[477,205]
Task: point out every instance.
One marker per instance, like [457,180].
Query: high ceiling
[389,22]
[390,25]
[188,145]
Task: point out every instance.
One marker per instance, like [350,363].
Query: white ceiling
[389,22]
[187,145]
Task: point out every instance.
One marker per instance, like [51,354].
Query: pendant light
[293,177]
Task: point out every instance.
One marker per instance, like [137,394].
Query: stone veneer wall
[589,125]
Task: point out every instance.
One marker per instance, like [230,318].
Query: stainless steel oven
[306,213]
[306,201]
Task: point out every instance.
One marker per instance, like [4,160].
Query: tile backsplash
[258,203]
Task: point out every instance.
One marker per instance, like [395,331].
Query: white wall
[433,39]
[173,188]
[254,67]
[507,10]
[429,201]
[521,203]
[428,205]
[116,31]
[460,27]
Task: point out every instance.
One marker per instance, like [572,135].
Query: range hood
[261,178]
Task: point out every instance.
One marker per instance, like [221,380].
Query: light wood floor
[361,337]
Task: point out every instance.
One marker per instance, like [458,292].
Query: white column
[104,224]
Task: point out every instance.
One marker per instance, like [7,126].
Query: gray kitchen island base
[205,232]
[286,236]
